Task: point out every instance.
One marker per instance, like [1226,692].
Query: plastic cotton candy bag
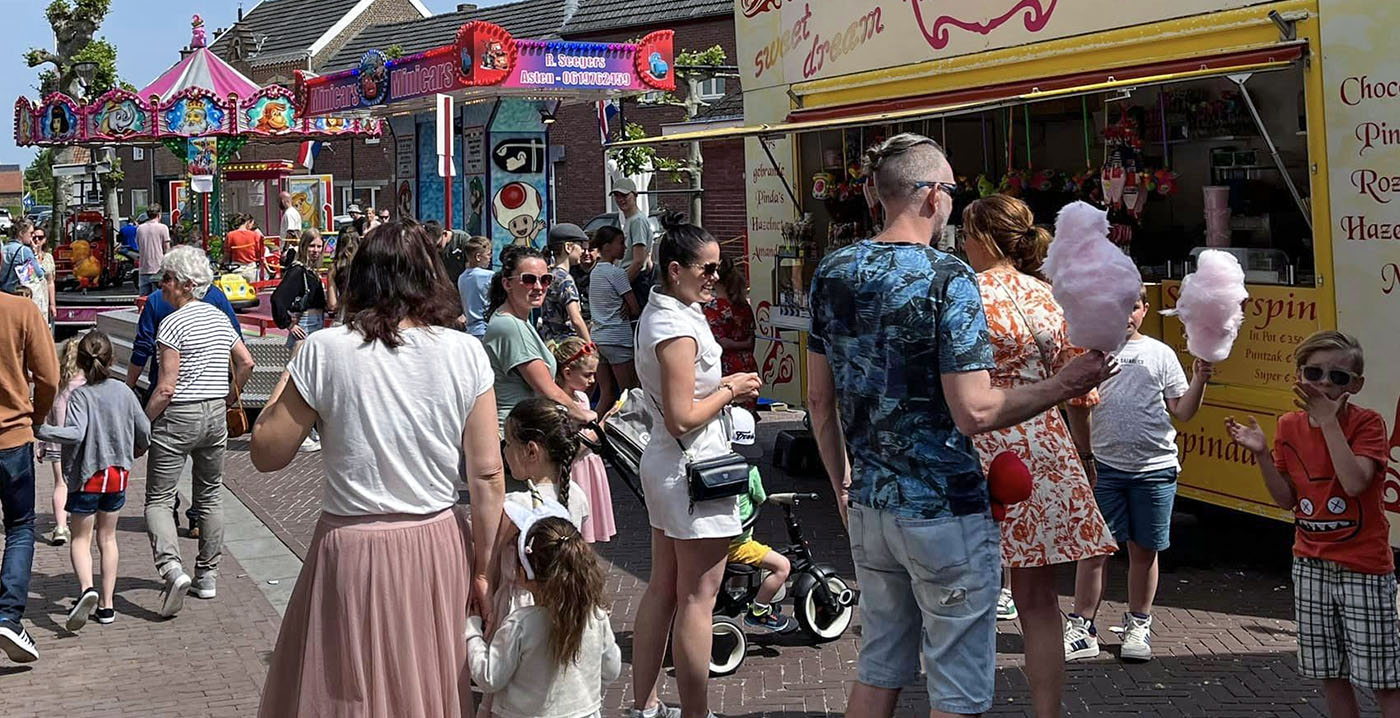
[1094,282]
[1210,305]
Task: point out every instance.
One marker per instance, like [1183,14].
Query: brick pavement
[1223,633]
[208,661]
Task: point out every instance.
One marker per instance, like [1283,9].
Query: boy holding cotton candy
[1328,461]
[1134,454]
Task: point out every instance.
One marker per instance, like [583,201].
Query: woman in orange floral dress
[1060,522]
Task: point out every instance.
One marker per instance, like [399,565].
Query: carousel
[204,111]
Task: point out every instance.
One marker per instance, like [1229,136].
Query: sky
[147,43]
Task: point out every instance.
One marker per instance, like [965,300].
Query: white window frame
[711,89]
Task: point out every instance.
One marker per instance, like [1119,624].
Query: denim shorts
[1137,505]
[90,502]
[934,578]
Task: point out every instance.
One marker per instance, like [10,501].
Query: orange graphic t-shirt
[1349,530]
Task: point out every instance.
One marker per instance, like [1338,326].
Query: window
[140,200]
[137,154]
[651,98]
[711,89]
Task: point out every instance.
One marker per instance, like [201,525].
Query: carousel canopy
[200,96]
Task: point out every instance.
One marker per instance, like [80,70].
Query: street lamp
[86,72]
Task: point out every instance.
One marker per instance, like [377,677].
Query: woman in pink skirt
[376,620]
[578,368]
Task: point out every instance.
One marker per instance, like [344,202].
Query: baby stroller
[822,601]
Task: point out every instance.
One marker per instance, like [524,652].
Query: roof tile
[290,26]
[530,19]
[597,15]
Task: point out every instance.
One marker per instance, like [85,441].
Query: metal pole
[1240,80]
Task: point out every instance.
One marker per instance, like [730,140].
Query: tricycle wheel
[728,648]
[822,622]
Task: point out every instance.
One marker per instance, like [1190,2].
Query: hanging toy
[985,188]
[1166,182]
[822,184]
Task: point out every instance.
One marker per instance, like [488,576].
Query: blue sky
[147,40]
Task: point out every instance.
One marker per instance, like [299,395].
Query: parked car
[613,219]
[36,210]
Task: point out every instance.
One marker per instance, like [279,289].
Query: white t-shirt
[201,333]
[578,500]
[391,420]
[1131,427]
[291,221]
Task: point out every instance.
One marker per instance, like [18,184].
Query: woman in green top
[523,364]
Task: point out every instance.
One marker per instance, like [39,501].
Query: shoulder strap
[1016,304]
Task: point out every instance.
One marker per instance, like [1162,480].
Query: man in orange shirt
[1327,467]
[244,247]
[27,357]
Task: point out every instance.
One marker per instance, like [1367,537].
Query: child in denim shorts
[1136,462]
[104,431]
[1327,467]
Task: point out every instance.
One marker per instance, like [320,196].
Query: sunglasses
[1336,377]
[709,269]
[948,187]
[584,351]
[530,280]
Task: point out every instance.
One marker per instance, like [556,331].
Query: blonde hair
[1330,340]
[571,348]
[1005,227]
[68,362]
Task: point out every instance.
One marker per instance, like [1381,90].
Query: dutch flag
[306,156]
[607,109]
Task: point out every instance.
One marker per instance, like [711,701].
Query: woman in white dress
[678,364]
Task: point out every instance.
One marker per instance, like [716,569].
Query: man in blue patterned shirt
[898,365]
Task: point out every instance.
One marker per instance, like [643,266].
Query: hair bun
[673,220]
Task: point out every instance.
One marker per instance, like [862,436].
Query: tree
[74,25]
[695,68]
[38,177]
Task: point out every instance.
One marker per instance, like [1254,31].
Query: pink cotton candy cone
[1094,282]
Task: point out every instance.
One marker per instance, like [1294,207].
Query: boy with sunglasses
[1328,463]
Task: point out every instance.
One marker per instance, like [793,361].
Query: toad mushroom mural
[517,210]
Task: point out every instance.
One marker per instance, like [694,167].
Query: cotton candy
[1210,305]
[1094,282]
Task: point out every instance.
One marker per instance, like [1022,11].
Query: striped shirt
[202,336]
[606,289]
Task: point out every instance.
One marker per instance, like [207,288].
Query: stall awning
[984,98]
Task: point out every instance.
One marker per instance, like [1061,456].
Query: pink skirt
[375,623]
[592,476]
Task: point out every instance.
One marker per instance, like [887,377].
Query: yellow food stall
[1265,129]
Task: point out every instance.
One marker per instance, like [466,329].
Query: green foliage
[38,177]
[92,10]
[708,57]
[394,51]
[105,55]
[633,160]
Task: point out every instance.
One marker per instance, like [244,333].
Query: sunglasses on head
[583,351]
[530,280]
[708,269]
[1336,377]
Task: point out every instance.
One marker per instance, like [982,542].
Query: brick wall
[579,178]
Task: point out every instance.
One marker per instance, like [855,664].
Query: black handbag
[721,477]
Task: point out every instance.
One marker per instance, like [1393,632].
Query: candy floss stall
[204,111]
[491,99]
[1264,129]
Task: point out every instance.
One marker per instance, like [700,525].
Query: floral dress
[1060,522]
[735,322]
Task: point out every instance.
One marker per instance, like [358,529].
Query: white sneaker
[1081,640]
[16,643]
[309,445]
[660,710]
[1137,638]
[1006,607]
[58,536]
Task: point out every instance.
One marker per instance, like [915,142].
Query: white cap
[742,426]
